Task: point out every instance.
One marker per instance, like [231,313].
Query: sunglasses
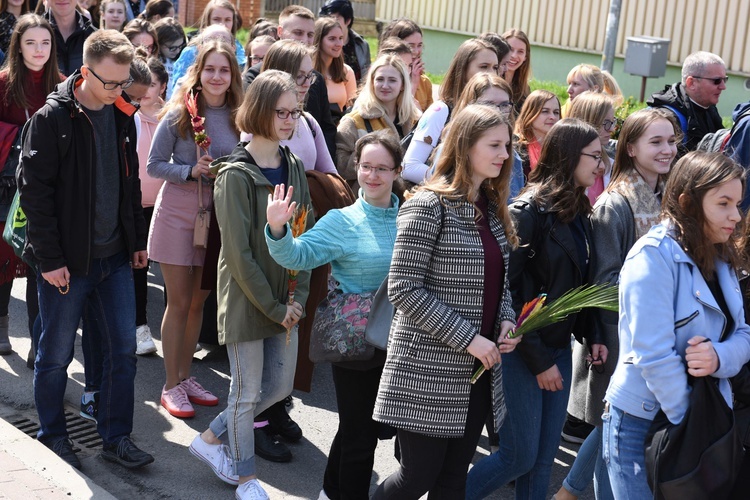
[715,81]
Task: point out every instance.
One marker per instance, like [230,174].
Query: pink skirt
[170,237]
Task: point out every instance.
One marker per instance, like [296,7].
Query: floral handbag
[338,332]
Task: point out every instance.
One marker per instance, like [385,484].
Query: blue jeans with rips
[624,453]
[530,435]
[108,291]
[262,374]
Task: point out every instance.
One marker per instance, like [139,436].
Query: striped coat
[436,282]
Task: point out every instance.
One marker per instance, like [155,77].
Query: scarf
[644,203]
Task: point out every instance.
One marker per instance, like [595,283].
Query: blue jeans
[108,290]
[530,435]
[589,463]
[262,374]
[91,345]
[623,452]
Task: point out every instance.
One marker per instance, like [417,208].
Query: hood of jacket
[739,109]
[672,95]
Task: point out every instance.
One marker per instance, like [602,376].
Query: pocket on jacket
[684,321]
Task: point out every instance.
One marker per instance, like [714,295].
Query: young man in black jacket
[71,30]
[82,198]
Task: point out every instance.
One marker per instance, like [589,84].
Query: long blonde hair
[405,107]
[453,173]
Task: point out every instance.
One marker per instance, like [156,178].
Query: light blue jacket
[664,301]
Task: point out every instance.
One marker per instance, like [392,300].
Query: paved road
[175,473]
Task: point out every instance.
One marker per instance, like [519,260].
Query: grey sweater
[172,157]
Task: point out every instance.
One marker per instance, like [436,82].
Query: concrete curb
[31,470]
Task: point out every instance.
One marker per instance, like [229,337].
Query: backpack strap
[682,119]
[368,125]
[309,124]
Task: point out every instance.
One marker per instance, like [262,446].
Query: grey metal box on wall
[646,56]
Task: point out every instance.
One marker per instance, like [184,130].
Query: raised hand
[280,209]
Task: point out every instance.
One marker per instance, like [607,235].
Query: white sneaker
[145,342]
[323,495]
[217,457]
[251,490]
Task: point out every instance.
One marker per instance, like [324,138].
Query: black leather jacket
[546,261]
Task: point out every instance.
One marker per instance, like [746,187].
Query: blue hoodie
[738,146]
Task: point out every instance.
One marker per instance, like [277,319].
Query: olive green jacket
[251,288]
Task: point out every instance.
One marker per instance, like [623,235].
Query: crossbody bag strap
[200,181]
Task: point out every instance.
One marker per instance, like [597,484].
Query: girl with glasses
[597,109]
[358,242]
[385,103]
[170,37]
[626,211]
[554,255]
[255,320]
[141,33]
[175,157]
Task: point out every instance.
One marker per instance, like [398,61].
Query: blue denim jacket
[664,301]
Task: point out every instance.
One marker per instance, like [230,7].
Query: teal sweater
[357,241]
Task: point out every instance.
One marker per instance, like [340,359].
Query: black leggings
[140,279]
[436,464]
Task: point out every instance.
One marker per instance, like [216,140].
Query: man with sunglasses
[693,100]
[78,180]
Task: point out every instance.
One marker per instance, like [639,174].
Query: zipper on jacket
[724,318]
[92,189]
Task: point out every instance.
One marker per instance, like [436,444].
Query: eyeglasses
[284,113]
[257,59]
[608,125]
[504,107]
[366,168]
[112,85]
[175,48]
[598,158]
[149,48]
[715,81]
[302,78]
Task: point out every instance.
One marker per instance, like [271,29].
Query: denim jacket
[664,301]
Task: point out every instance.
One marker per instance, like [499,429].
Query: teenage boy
[82,198]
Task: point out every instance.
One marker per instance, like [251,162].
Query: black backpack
[716,142]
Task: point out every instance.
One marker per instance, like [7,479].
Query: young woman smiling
[175,158]
[328,60]
[518,69]
[538,114]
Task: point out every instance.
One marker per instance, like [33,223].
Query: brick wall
[190,11]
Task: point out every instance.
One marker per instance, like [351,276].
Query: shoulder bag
[338,332]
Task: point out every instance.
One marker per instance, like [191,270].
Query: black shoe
[281,423]
[126,454]
[575,430]
[270,448]
[63,448]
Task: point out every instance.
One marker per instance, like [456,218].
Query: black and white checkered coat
[436,282]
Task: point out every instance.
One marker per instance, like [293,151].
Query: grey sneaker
[89,409]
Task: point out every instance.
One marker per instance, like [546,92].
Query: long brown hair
[18,73]
[522,75]
[634,127]
[552,181]
[453,173]
[219,4]
[323,26]
[682,204]
[455,78]
[193,83]
[532,108]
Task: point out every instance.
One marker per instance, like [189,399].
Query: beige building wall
[719,26]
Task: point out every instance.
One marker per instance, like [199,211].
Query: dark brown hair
[682,204]
[522,75]
[138,26]
[18,73]
[552,181]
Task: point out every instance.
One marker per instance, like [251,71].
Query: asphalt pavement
[175,472]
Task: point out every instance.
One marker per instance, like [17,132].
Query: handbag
[700,457]
[338,332]
[202,220]
[381,317]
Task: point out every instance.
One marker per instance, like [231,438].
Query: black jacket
[698,123]
[316,104]
[56,179]
[546,262]
[70,51]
